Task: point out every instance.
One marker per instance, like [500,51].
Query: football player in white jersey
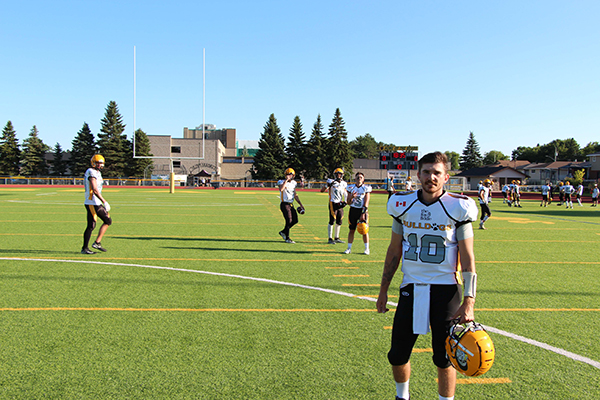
[409,184]
[337,202]
[358,198]
[595,194]
[287,188]
[505,190]
[568,190]
[431,232]
[579,192]
[545,195]
[95,205]
[484,199]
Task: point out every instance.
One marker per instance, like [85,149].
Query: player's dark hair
[433,158]
[359,173]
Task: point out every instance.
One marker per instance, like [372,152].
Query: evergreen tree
[112,142]
[59,166]
[471,157]
[316,167]
[10,154]
[34,155]
[269,161]
[338,148]
[365,147]
[83,148]
[137,166]
[296,148]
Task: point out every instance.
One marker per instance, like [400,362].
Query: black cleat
[98,246]
[85,250]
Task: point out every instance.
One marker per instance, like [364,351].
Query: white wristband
[470,282]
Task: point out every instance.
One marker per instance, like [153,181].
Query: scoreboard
[398,160]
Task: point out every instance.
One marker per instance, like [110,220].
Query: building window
[175,149]
[176,164]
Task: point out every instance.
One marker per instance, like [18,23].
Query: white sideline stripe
[545,346]
[523,339]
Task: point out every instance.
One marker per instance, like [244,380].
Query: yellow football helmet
[560,183]
[338,171]
[488,181]
[96,159]
[362,228]
[290,171]
[470,349]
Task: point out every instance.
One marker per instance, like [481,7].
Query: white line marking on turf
[523,339]
[565,353]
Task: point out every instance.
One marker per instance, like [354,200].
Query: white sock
[330,231]
[485,219]
[349,246]
[337,231]
[402,389]
[366,246]
[446,398]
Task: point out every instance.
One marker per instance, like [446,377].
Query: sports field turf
[199,297]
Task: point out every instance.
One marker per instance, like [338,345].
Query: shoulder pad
[400,202]
[461,208]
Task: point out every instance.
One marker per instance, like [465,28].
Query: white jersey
[289,192]
[595,192]
[545,190]
[580,190]
[486,195]
[568,189]
[337,190]
[90,197]
[359,193]
[409,186]
[430,244]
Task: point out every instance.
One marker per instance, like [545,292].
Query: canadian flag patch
[400,203]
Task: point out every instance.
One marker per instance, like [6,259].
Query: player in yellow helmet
[95,204]
[287,188]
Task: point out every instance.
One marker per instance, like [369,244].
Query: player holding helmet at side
[95,205]
[358,198]
[337,202]
[287,188]
[430,232]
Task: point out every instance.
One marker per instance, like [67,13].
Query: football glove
[106,206]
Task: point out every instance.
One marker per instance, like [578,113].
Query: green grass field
[220,319]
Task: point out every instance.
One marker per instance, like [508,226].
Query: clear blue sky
[421,73]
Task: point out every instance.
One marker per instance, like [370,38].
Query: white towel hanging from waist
[421,300]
